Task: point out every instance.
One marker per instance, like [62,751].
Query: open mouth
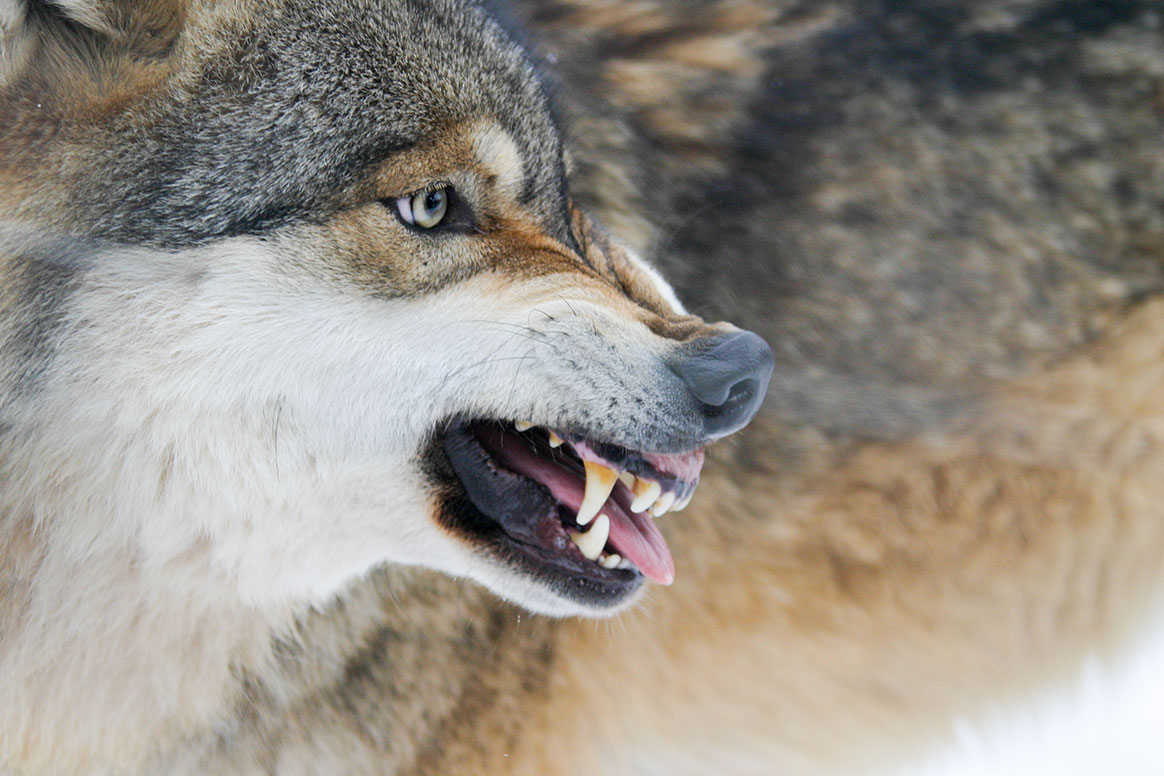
[578,513]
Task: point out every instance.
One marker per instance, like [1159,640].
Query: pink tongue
[634,535]
[638,540]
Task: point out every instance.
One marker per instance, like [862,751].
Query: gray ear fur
[144,26]
[93,14]
[18,33]
[15,44]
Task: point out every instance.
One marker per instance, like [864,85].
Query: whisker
[484,362]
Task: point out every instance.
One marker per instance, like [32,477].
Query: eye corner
[435,208]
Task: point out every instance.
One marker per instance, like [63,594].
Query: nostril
[739,395]
[728,376]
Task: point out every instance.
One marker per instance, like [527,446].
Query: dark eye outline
[457,216]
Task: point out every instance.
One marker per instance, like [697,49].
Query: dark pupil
[433,200]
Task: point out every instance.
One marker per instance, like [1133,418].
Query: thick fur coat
[225,546]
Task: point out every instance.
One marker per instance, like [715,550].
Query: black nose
[729,376]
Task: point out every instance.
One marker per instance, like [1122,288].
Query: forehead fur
[268,112]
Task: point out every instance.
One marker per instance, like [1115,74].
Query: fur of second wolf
[952,495]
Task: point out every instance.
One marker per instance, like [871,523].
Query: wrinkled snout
[729,376]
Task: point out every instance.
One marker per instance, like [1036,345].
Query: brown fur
[846,574]
[902,582]
[899,583]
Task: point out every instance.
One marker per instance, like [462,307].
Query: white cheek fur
[274,425]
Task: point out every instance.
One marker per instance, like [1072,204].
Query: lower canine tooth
[611,560]
[646,493]
[663,504]
[599,482]
[592,542]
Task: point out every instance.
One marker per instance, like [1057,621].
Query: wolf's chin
[516,587]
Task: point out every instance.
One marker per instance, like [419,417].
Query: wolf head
[298,288]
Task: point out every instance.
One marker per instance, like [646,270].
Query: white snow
[1110,721]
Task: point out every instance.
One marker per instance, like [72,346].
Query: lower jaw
[523,529]
[583,589]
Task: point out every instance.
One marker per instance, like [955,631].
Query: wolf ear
[91,14]
[141,27]
[19,20]
[15,45]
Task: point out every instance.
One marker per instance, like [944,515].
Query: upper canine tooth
[646,493]
[592,542]
[522,425]
[555,440]
[663,504]
[599,482]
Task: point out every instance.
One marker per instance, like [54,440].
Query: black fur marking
[44,277]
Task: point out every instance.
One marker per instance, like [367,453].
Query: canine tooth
[646,493]
[663,504]
[522,425]
[592,542]
[611,560]
[555,440]
[599,482]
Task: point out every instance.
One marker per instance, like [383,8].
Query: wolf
[342,390]
[299,327]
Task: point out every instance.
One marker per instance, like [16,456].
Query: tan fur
[708,62]
[888,587]
[870,596]
[835,607]
[101,692]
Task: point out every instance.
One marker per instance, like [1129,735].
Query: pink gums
[634,536]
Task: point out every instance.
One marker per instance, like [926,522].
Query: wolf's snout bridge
[729,376]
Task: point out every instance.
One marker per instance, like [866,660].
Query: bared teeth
[610,561]
[555,440]
[599,483]
[626,478]
[522,425]
[663,504]
[682,503]
[646,492]
[592,542]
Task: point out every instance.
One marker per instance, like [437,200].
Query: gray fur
[289,112]
[42,275]
[921,197]
[915,202]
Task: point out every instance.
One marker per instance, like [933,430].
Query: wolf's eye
[425,209]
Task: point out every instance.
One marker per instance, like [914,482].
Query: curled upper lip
[543,487]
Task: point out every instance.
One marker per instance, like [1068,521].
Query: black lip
[519,521]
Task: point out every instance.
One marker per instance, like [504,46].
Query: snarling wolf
[341,387]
